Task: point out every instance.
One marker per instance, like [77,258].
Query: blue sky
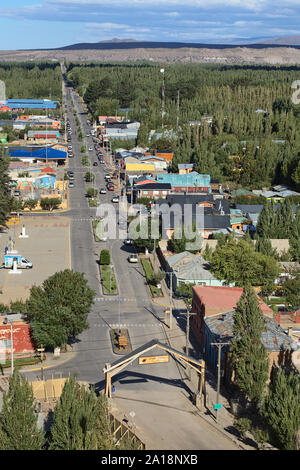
[26,24]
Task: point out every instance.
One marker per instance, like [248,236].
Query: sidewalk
[50,362]
[176,338]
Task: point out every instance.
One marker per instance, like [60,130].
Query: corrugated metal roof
[44,153]
[273,338]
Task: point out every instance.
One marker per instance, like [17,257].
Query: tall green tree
[82,421]
[248,354]
[59,308]
[282,408]
[18,424]
[266,224]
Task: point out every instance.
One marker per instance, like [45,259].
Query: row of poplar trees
[276,403]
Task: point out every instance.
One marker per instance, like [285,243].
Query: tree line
[252,115]
[32,80]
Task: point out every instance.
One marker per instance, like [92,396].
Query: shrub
[104,257]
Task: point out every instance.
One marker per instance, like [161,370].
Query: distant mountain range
[291,41]
[285,41]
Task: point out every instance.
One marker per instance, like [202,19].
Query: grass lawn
[23,361]
[155,291]
[108,280]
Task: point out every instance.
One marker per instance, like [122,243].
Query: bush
[49,203]
[91,192]
[243,426]
[104,257]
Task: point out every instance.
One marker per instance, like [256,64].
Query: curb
[58,363]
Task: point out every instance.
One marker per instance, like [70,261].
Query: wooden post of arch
[107,382]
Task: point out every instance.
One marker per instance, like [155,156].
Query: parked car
[71,184]
[102,191]
[133,258]
[70,173]
[90,149]
[110,188]
[128,241]
[115,199]
[95,164]
[17,192]
[107,177]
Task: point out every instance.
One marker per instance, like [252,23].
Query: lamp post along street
[5,321]
[12,347]
[188,314]
[171,298]
[219,345]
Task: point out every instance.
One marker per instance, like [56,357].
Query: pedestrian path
[121,299]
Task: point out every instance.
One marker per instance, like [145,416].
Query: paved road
[134,309]
[153,391]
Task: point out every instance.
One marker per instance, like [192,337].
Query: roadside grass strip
[149,273]
[108,280]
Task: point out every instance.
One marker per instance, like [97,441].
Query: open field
[236,55]
[48,248]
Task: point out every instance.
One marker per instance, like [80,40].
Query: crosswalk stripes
[124,325]
[116,299]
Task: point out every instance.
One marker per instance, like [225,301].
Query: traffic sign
[153,359]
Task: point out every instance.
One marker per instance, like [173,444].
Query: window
[165,192]
[155,192]
[145,192]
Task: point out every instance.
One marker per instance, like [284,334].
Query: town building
[22,344]
[212,301]
[279,346]
[189,182]
[188,268]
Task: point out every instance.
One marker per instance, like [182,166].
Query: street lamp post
[5,321]
[219,346]
[188,314]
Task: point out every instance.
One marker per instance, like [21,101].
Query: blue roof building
[43,154]
[184,182]
[30,104]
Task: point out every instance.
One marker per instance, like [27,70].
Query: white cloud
[246,5]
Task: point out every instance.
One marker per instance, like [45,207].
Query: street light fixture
[5,321]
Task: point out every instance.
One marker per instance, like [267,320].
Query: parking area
[47,247]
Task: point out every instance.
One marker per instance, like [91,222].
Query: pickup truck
[22,262]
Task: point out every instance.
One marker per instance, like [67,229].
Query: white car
[90,149]
[128,241]
[133,258]
[71,184]
[102,191]
[115,199]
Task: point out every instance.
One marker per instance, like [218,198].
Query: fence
[120,431]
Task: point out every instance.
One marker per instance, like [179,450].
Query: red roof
[223,299]
[48,169]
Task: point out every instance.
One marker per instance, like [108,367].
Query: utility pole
[177,120]
[5,321]
[188,314]
[171,297]
[162,98]
[217,405]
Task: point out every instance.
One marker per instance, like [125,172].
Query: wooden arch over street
[116,367]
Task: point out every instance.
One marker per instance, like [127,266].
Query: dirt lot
[48,248]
